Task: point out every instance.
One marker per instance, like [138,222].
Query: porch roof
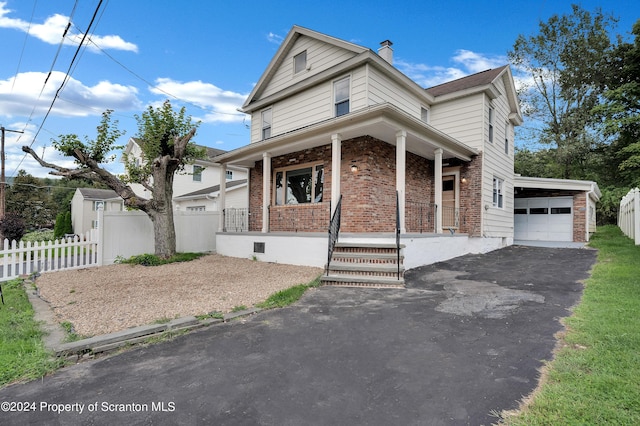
[381,121]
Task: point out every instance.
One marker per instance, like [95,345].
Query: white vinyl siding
[461,118]
[498,222]
[382,90]
[320,56]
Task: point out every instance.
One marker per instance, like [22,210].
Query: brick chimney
[385,51]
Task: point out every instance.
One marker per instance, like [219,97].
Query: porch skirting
[310,249]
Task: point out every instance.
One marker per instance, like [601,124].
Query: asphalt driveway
[464,341]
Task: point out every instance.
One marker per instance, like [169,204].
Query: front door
[449,214]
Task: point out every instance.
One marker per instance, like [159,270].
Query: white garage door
[543,219]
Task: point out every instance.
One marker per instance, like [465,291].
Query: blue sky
[207,55]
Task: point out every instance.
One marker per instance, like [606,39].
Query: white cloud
[51,30]
[76,99]
[219,105]
[274,38]
[468,62]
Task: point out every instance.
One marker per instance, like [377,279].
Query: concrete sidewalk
[464,341]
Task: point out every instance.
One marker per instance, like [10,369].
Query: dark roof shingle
[474,80]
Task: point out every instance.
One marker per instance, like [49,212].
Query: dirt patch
[116,297]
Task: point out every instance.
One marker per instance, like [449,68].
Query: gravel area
[116,297]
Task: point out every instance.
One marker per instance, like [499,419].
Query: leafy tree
[12,226]
[29,198]
[164,136]
[564,63]
[620,112]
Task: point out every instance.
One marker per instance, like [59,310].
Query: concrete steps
[365,265]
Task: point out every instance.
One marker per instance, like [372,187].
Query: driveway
[464,341]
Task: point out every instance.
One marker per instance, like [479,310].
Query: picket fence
[20,258]
[629,215]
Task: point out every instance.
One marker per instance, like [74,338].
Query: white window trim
[491,117]
[334,100]
[428,111]
[229,175]
[305,67]
[194,174]
[507,134]
[498,188]
[284,170]
[262,126]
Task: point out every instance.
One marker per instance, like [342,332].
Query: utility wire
[24,45]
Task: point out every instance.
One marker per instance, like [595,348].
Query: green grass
[595,376]
[22,352]
[153,260]
[288,296]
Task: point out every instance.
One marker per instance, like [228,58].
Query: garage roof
[558,184]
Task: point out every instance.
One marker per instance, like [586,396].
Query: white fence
[44,256]
[629,215]
[119,234]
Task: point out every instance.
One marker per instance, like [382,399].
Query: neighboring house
[85,204]
[236,197]
[335,127]
[191,187]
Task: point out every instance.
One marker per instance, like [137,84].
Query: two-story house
[342,140]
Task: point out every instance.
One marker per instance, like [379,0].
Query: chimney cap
[386,43]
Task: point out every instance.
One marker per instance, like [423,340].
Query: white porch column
[222,195]
[401,166]
[437,180]
[336,160]
[266,190]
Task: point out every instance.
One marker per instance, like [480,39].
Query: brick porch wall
[369,195]
[579,217]
[471,197]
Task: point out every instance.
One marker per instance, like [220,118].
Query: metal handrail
[334,230]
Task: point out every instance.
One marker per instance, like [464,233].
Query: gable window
[229,174]
[97,205]
[424,114]
[197,173]
[300,185]
[491,124]
[506,138]
[266,123]
[498,188]
[341,96]
[300,62]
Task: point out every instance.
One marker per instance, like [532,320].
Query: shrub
[12,226]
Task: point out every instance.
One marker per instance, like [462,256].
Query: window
[266,123]
[299,185]
[498,185]
[197,173]
[97,205]
[229,174]
[424,114]
[341,96]
[506,138]
[520,211]
[538,210]
[196,208]
[490,124]
[300,62]
[560,210]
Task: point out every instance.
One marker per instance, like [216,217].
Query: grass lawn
[595,376]
[22,353]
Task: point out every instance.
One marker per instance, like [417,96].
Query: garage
[560,211]
[543,219]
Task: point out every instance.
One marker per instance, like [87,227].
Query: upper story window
[491,114]
[97,205]
[229,174]
[341,96]
[266,123]
[506,138]
[300,62]
[424,114]
[197,173]
[498,190]
[299,184]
